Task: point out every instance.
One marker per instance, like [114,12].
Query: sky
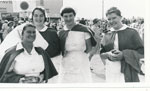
[93,8]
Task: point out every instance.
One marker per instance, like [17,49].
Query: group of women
[28,52]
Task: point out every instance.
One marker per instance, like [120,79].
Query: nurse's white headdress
[14,37]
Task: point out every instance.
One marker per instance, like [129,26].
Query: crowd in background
[136,23]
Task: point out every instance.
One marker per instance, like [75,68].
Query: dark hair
[40,9]
[68,10]
[27,25]
[113,10]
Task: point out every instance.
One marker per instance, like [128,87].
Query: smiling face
[38,17]
[114,20]
[69,18]
[29,35]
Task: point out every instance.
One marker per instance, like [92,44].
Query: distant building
[6,9]
[52,6]
[23,8]
[6,6]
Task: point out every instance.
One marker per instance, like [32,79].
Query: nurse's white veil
[15,36]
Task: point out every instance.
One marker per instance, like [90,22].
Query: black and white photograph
[74,43]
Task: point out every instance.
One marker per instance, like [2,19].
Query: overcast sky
[93,8]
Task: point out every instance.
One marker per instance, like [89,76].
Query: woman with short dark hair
[49,34]
[76,41]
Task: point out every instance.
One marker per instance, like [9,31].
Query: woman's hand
[105,55]
[115,55]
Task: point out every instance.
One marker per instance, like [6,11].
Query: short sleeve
[87,35]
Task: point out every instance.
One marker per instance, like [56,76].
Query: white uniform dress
[75,66]
[113,69]
[28,64]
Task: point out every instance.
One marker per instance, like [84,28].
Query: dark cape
[79,28]
[50,35]
[9,57]
[132,48]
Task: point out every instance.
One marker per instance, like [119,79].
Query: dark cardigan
[50,35]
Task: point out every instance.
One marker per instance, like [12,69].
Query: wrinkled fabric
[75,64]
[130,65]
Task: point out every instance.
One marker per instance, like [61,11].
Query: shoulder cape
[132,47]
[78,27]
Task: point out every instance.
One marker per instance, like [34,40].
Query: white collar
[122,28]
[20,46]
[43,29]
[65,28]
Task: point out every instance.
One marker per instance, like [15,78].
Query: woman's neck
[119,26]
[27,46]
[71,26]
[39,27]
